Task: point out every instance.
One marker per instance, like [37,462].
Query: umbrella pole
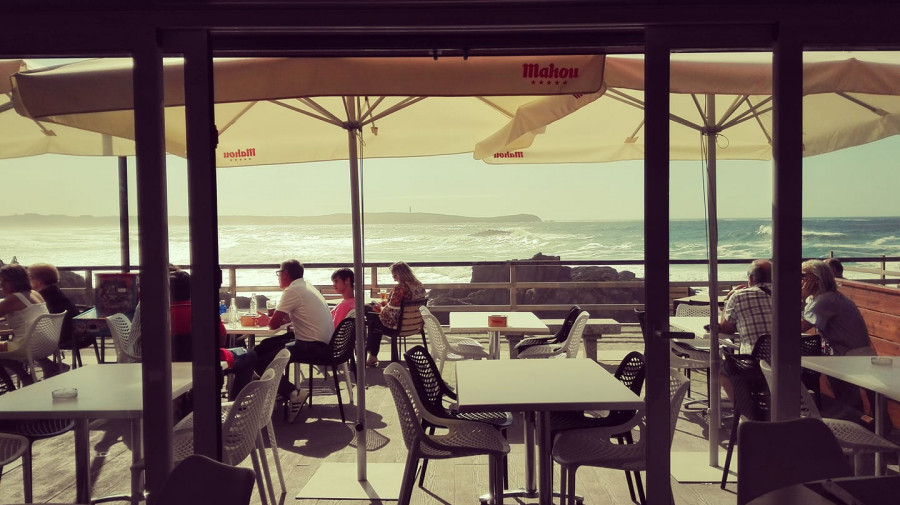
[124,238]
[714,396]
[358,294]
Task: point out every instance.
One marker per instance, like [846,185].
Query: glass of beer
[384,297]
[270,307]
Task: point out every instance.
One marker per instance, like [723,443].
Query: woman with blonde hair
[408,288]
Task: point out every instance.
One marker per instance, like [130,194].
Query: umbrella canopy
[21,136]
[265,113]
[718,110]
[261,120]
[847,102]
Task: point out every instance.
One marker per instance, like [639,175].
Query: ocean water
[582,240]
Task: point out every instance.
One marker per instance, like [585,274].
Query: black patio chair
[560,335]
[438,398]
[751,397]
[341,347]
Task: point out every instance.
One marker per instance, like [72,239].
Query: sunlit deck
[318,436]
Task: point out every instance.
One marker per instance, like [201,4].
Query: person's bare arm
[805,325]
[726,326]
[10,304]
[279,319]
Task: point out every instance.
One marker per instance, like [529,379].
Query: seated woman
[45,279]
[21,305]
[408,288]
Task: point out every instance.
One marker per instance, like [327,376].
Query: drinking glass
[270,307]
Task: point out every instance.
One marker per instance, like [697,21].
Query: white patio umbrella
[288,110]
[720,108]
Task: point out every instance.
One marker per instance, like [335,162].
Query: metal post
[206,277]
[656,256]
[715,414]
[787,193]
[124,237]
[153,234]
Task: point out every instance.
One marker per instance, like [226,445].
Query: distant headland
[28,220]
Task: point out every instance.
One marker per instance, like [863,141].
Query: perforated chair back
[198,479]
[689,310]
[573,342]
[762,349]
[427,380]
[248,414]
[343,340]
[434,334]
[43,339]
[568,322]
[779,454]
[751,392]
[121,329]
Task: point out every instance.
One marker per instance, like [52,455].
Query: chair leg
[570,491]
[337,391]
[640,488]
[259,479]
[563,484]
[431,430]
[26,474]
[621,439]
[310,386]
[409,478]
[270,430]
[261,449]
[731,441]
[346,370]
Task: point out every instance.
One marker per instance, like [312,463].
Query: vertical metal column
[787,215]
[656,258]
[124,236]
[712,213]
[153,236]
[206,276]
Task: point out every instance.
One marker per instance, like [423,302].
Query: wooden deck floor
[318,436]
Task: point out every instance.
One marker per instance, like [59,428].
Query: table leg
[494,347]
[530,486]
[82,461]
[137,456]
[880,408]
[545,475]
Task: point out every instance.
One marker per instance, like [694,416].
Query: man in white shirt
[304,307]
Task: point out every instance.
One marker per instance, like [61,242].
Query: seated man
[304,307]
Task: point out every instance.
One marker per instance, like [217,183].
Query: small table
[883,380]
[111,391]
[233,334]
[872,490]
[701,299]
[540,386]
[695,325]
[477,322]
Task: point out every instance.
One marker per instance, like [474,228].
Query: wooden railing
[513,287]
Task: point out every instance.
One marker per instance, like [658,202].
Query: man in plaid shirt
[748,310]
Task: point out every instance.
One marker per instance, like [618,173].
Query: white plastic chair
[462,438]
[43,340]
[277,365]
[126,336]
[13,447]
[592,446]
[241,431]
[854,439]
[443,350]
[567,349]
[689,310]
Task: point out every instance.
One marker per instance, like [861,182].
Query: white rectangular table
[883,380]
[477,322]
[251,332]
[113,391]
[696,325]
[540,386]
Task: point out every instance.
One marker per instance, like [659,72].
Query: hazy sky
[861,181]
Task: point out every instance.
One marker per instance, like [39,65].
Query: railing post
[513,279]
[883,267]
[373,291]
[89,284]
[232,282]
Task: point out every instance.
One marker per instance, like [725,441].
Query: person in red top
[240,360]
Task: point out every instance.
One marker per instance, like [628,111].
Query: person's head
[402,273]
[342,281]
[760,271]
[43,275]
[818,270]
[836,267]
[179,285]
[14,279]
[290,271]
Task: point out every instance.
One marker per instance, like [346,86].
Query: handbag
[390,316]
